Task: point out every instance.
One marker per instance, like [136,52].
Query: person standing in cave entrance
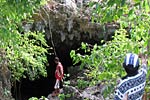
[59,74]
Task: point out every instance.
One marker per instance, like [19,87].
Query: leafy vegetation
[25,51]
[35,98]
[64,96]
[105,61]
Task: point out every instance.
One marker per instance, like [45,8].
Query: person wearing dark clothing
[131,87]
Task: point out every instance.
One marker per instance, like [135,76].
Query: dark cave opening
[26,88]
[44,86]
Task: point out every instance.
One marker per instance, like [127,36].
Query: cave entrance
[44,86]
[26,88]
[37,88]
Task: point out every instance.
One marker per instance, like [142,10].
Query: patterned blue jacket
[132,86]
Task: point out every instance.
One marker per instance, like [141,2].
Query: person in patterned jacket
[131,87]
[59,74]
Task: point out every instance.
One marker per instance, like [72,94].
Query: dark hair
[56,59]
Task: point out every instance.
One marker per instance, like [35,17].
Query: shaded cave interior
[26,89]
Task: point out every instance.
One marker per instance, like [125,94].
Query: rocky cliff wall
[66,24]
[5,75]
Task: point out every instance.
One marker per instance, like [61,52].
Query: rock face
[67,23]
[5,85]
[71,93]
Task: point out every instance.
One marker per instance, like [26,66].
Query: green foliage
[33,98]
[64,96]
[6,92]
[111,10]
[13,12]
[28,57]
[66,82]
[82,84]
[26,53]
[105,61]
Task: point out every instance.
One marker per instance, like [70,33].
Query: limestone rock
[67,25]
[72,93]
[5,85]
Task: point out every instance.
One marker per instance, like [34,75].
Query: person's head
[131,64]
[56,60]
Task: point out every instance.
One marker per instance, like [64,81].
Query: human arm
[143,61]
[61,72]
[143,58]
[125,97]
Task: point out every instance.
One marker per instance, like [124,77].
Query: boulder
[72,93]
